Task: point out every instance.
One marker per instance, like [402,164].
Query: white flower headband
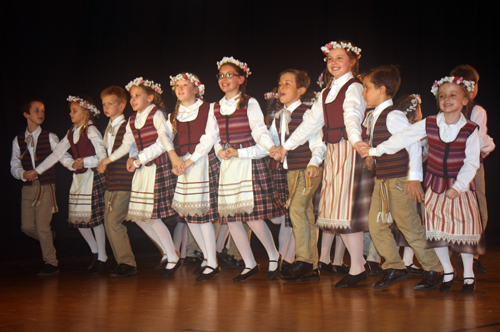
[270,96]
[84,104]
[238,63]
[321,81]
[415,101]
[139,80]
[469,85]
[188,77]
[347,46]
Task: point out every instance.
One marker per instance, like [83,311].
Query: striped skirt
[165,182]
[98,204]
[453,223]
[346,190]
[267,203]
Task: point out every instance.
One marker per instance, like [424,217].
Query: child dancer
[195,196]
[244,141]
[341,108]
[29,149]
[452,214]
[154,182]
[86,195]
[478,115]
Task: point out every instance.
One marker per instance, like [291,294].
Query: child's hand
[312,171]
[78,164]
[177,163]
[231,153]
[451,193]
[369,163]
[222,154]
[414,188]
[130,164]
[103,165]
[362,148]
[279,154]
[188,163]
[30,175]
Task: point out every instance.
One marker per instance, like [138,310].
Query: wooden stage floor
[76,301]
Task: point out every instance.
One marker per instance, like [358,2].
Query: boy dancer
[397,185]
[304,174]
[38,203]
[118,183]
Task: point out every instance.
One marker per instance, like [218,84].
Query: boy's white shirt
[478,115]
[109,138]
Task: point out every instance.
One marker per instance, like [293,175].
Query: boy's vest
[82,149]
[300,157]
[42,151]
[445,159]
[234,129]
[147,136]
[188,133]
[334,129]
[117,176]
[388,165]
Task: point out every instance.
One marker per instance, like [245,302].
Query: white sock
[100,238]
[354,244]
[284,238]
[338,255]
[259,227]
[166,239]
[198,236]
[468,260]
[444,258]
[222,236]
[326,247]
[408,256]
[89,237]
[150,232]
[240,238]
[209,238]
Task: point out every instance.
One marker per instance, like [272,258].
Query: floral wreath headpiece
[270,96]
[139,80]
[347,46]
[238,63]
[321,81]
[469,85]
[84,104]
[188,77]
[415,101]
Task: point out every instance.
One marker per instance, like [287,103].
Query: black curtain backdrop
[51,49]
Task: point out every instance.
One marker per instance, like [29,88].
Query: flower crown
[84,104]
[469,85]
[347,46]
[321,81]
[188,77]
[270,96]
[139,80]
[238,63]
[415,101]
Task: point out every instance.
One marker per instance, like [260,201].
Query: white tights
[98,244]
[354,244]
[205,237]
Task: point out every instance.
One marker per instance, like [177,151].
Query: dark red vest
[234,129]
[445,159]
[388,166]
[117,176]
[147,136]
[42,151]
[82,149]
[189,133]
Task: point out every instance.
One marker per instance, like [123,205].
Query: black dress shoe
[250,273]
[373,269]
[47,270]
[93,262]
[350,281]
[412,269]
[469,288]
[124,270]
[478,268]
[446,285]
[271,275]
[299,271]
[238,264]
[98,268]
[333,269]
[208,276]
[391,276]
[162,265]
[430,281]
[199,254]
[199,269]
[191,260]
[167,273]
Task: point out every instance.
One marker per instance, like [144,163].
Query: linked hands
[362,148]
[278,153]
[452,193]
[104,164]
[228,153]
[30,175]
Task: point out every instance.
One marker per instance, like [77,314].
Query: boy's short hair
[467,72]
[25,108]
[302,79]
[387,76]
[117,91]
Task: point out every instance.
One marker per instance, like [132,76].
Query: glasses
[228,76]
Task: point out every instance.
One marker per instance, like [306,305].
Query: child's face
[373,95]
[230,86]
[112,107]
[338,62]
[78,114]
[288,93]
[451,98]
[139,99]
[185,92]
[36,113]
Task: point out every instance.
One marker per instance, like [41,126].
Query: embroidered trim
[226,210]
[191,209]
[453,238]
[141,215]
[333,224]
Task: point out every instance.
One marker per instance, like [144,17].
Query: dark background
[52,49]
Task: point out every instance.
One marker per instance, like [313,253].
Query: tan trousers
[35,221]
[302,217]
[116,231]
[481,195]
[404,212]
